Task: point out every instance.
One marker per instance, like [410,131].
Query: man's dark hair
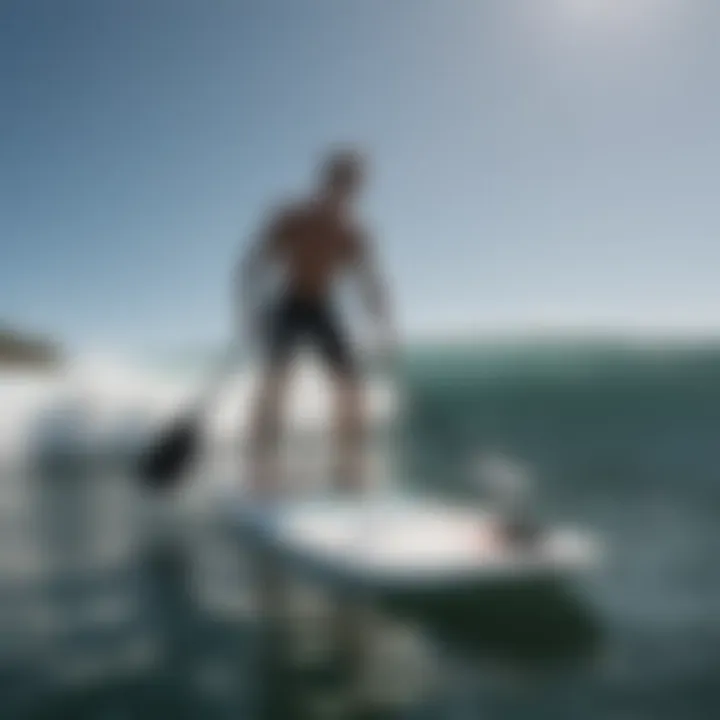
[342,168]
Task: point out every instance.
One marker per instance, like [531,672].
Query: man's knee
[349,392]
[269,401]
[350,405]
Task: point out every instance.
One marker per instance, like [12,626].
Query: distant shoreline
[21,350]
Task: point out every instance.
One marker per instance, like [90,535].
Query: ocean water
[112,607]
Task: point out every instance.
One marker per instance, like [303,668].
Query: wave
[98,404]
[565,362]
[110,406]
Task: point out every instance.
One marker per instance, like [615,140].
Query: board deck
[414,546]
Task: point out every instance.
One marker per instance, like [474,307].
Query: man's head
[341,175]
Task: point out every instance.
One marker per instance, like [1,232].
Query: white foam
[308,407]
[100,405]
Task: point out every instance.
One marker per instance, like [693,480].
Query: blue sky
[544,161]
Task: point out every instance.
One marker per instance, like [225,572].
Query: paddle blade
[162,466]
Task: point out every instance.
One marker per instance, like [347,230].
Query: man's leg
[350,435]
[264,480]
[350,631]
[349,426]
[280,335]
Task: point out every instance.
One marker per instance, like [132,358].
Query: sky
[533,163]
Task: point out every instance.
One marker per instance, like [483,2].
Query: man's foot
[518,534]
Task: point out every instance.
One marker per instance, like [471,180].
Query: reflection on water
[113,608]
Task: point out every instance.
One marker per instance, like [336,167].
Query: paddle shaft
[397,432]
[216,380]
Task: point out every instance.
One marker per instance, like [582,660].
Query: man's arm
[251,268]
[373,288]
[248,271]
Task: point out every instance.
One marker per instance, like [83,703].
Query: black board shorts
[294,321]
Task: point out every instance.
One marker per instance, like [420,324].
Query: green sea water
[622,437]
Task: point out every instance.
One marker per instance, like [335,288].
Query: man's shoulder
[290,210]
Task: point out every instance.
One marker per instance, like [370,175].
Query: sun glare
[612,12]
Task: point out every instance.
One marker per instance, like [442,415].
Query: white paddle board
[405,546]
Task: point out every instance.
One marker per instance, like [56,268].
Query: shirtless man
[313,244]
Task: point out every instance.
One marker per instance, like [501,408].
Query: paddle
[396,372]
[390,366]
[163,464]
